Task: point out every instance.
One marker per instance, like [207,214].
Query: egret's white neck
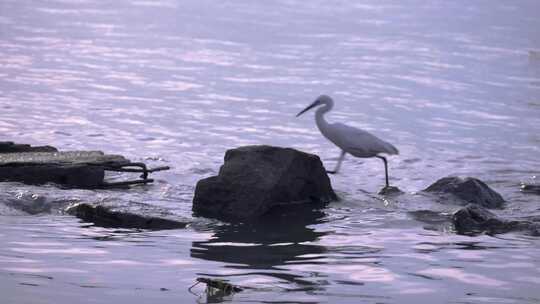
[319,116]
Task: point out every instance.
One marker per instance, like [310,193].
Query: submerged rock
[474,219]
[254,179]
[34,203]
[390,190]
[468,190]
[106,217]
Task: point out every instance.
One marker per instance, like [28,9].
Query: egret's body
[351,140]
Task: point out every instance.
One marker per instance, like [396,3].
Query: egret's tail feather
[390,149]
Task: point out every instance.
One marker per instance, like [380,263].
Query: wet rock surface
[468,190]
[70,169]
[255,179]
[474,219]
[11,147]
[82,176]
[107,217]
[82,169]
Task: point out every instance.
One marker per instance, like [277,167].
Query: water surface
[455,86]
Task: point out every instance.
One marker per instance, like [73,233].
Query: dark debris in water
[219,284]
[529,188]
[216,289]
[28,284]
[354,283]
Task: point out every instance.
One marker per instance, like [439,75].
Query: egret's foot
[331,172]
[390,190]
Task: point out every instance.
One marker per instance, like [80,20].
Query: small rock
[254,179]
[470,190]
[105,217]
[474,219]
[390,190]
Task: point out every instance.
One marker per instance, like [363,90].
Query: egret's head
[321,100]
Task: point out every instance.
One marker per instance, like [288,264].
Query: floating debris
[530,188]
[216,287]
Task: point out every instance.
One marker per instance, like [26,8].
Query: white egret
[351,140]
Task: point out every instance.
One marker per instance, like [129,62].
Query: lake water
[455,85]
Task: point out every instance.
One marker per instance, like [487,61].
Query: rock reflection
[263,246]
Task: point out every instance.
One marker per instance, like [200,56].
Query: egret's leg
[385,168]
[340,159]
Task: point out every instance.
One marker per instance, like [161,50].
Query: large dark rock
[10,147]
[255,179]
[106,217]
[469,190]
[474,219]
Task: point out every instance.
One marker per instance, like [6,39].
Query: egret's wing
[358,142]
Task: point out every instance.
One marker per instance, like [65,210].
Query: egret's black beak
[314,104]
